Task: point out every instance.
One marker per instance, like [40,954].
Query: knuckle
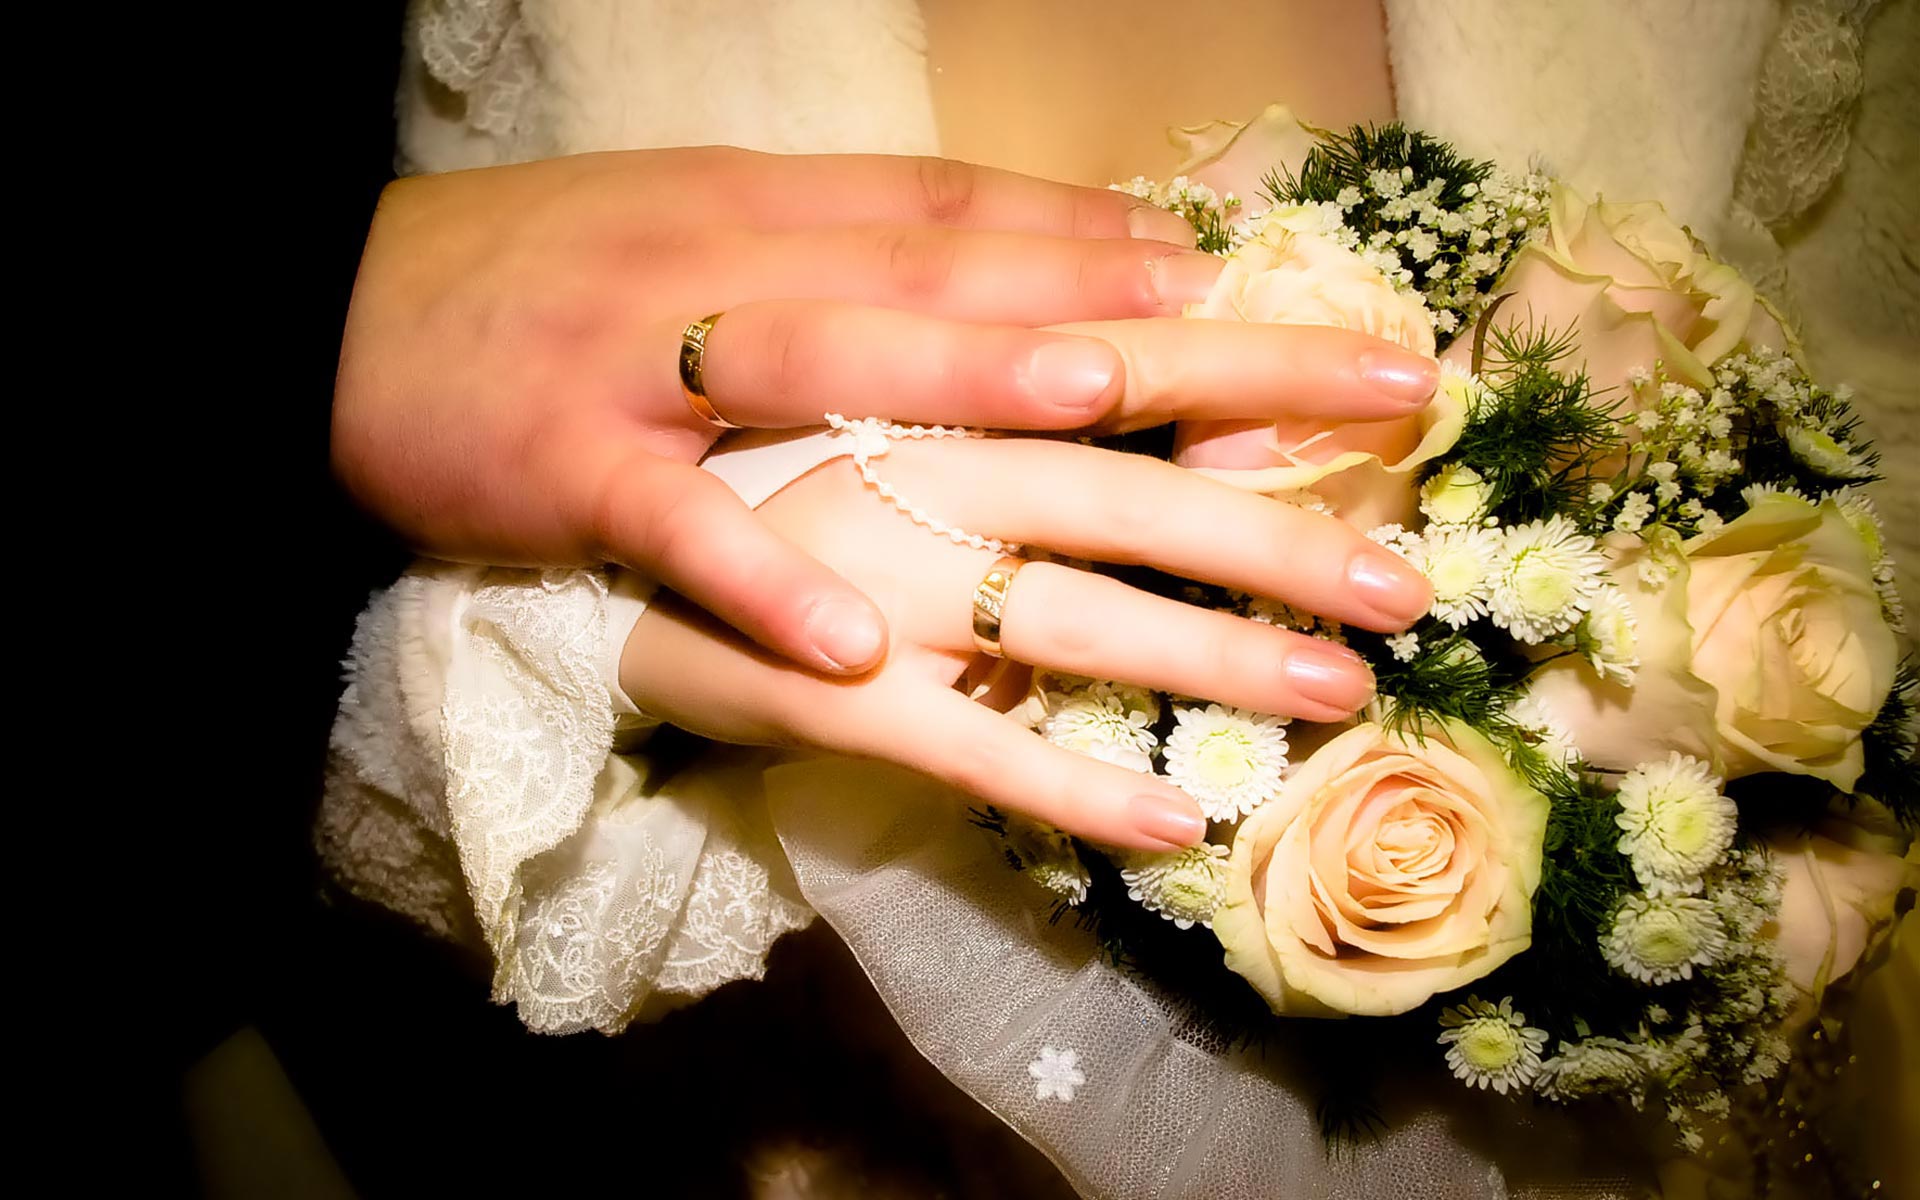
[946,189]
[792,351]
[919,262]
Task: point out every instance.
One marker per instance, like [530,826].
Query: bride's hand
[1055,496]
[509,391]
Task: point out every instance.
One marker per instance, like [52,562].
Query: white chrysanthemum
[1658,939]
[1825,454]
[1491,1045]
[1460,562]
[1048,857]
[1456,495]
[1548,731]
[1676,822]
[1184,886]
[1104,722]
[1594,1066]
[1545,580]
[1609,635]
[1228,759]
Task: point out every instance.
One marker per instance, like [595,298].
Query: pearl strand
[871,437]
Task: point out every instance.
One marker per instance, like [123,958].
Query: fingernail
[1394,590]
[1400,375]
[1176,822]
[846,632]
[1076,374]
[1159,225]
[1183,279]
[1332,675]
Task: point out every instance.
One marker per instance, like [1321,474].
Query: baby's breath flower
[1405,646]
[1546,578]
[1228,759]
[1676,822]
[1633,514]
[1491,1045]
[1184,886]
[1658,939]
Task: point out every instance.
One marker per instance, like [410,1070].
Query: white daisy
[1228,759]
[1184,886]
[1456,495]
[1546,578]
[1677,823]
[1608,634]
[1104,722]
[1549,733]
[1593,1066]
[1460,562]
[1048,857]
[1491,1045]
[1824,453]
[1658,939]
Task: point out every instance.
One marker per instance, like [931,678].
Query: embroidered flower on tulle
[1056,1073]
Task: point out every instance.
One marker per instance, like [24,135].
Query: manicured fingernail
[1391,588]
[1400,375]
[1332,675]
[846,632]
[1183,279]
[1176,822]
[1075,374]
[1159,225]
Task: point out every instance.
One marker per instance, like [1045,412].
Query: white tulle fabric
[475,786]
[990,990]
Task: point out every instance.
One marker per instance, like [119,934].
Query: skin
[1072,500]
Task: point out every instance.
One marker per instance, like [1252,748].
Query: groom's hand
[509,387]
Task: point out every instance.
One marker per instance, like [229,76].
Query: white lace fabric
[474,787]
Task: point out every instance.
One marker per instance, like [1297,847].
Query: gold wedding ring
[990,600]
[693,358]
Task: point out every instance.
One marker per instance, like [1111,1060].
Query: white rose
[1765,650]
[1293,273]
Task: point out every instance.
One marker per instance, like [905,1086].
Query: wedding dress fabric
[485,780]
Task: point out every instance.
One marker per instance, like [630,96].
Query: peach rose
[1237,156]
[1293,273]
[1837,900]
[1387,870]
[1637,289]
[1762,647]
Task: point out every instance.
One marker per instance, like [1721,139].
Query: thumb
[688,530]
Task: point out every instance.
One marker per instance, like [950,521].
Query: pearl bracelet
[871,438]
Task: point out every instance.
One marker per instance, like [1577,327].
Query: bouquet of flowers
[1637,792]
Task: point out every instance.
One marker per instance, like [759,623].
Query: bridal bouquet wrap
[1635,800]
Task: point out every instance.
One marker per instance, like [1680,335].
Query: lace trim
[482,50]
[732,919]
[526,726]
[1810,81]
